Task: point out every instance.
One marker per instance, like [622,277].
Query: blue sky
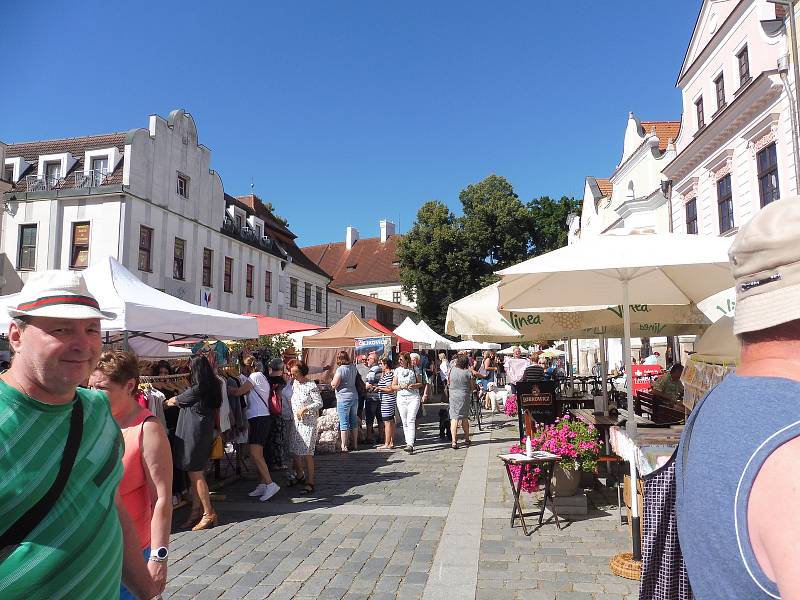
[343,113]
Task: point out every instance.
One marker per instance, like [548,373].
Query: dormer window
[350,268]
[258,231]
[8,172]
[183,186]
[238,221]
[100,165]
[52,171]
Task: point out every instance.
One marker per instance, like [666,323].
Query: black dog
[444,424]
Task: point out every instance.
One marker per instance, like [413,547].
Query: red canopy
[405,345]
[274,326]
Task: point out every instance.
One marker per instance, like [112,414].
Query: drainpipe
[794,100]
[793,116]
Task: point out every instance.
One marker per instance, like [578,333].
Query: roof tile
[665,130]
[368,262]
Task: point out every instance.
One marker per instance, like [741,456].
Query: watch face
[161,553]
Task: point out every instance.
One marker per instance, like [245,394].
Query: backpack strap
[19,530]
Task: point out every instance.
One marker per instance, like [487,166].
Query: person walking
[388,403]
[407,384]
[344,384]
[82,538]
[306,403]
[146,487]
[194,437]
[462,384]
[444,370]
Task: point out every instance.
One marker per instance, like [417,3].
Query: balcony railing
[34,183]
[90,178]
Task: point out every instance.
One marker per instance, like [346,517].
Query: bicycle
[475,408]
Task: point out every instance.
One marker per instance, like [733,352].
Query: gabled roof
[665,130]
[77,146]
[369,261]
[364,298]
[605,186]
[286,239]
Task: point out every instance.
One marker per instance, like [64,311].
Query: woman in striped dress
[388,405]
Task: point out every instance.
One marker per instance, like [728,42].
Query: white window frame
[186,181]
[66,160]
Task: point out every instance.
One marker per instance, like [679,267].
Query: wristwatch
[159,554]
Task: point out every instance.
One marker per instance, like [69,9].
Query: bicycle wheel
[475,407]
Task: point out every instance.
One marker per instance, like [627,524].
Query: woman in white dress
[306,402]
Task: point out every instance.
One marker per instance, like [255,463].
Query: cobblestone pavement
[387,525]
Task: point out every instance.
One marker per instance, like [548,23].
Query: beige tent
[344,333]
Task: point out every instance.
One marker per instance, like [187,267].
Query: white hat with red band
[58,294]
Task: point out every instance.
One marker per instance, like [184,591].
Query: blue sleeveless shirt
[741,422]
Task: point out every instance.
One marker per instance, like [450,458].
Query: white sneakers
[265,491]
[259,491]
[269,491]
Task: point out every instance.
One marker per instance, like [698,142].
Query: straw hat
[59,294]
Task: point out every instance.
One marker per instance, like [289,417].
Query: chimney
[352,237]
[387,230]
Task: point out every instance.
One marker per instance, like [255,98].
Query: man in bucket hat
[62,531]
[738,493]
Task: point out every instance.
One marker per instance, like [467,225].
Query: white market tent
[144,311]
[435,340]
[409,330]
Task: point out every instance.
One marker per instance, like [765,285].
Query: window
[177,258]
[307,297]
[100,164]
[267,286]
[183,186]
[293,292]
[701,120]
[52,171]
[396,297]
[238,220]
[258,231]
[26,259]
[363,313]
[79,256]
[318,299]
[8,172]
[248,282]
[208,262]
[767,161]
[725,204]
[744,66]
[691,216]
[719,85]
[373,295]
[338,307]
[145,248]
[227,278]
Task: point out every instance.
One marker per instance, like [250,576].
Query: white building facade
[736,150]
[149,198]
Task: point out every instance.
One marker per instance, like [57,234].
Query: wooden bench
[655,408]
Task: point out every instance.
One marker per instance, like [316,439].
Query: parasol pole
[630,426]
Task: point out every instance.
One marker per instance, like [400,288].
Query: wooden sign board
[536,402]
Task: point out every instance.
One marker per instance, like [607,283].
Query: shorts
[259,430]
[361,403]
[348,414]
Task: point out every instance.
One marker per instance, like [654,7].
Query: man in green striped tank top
[81,543]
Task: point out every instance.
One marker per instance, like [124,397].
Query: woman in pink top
[146,487]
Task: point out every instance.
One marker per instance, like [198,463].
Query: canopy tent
[409,330]
[144,311]
[619,268]
[477,317]
[344,333]
[402,344]
[150,348]
[435,340]
[274,326]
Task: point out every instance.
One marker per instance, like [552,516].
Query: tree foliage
[444,258]
[549,222]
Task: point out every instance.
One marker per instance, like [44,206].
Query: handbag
[274,405]
[19,530]
[217,449]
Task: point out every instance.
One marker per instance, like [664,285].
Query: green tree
[276,216]
[548,222]
[436,265]
[496,223]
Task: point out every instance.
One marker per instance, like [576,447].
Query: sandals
[467,442]
[308,489]
[454,446]
[296,480]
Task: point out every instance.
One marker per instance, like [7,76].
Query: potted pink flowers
[510,406]
[578,445]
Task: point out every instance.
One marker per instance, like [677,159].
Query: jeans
[407,406]
[372,411]
[348,414]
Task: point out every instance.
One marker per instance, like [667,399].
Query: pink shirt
[133,489]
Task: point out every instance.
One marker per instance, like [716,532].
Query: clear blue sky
[344,112]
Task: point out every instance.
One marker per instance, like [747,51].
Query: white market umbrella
[552,353]
[619,268]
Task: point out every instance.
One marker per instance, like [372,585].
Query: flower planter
[566,482]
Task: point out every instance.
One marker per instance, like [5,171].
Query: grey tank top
[741,422]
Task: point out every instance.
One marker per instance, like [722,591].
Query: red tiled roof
[31,151]
[605,186]
[368,262]
[365,298]
[665,130]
